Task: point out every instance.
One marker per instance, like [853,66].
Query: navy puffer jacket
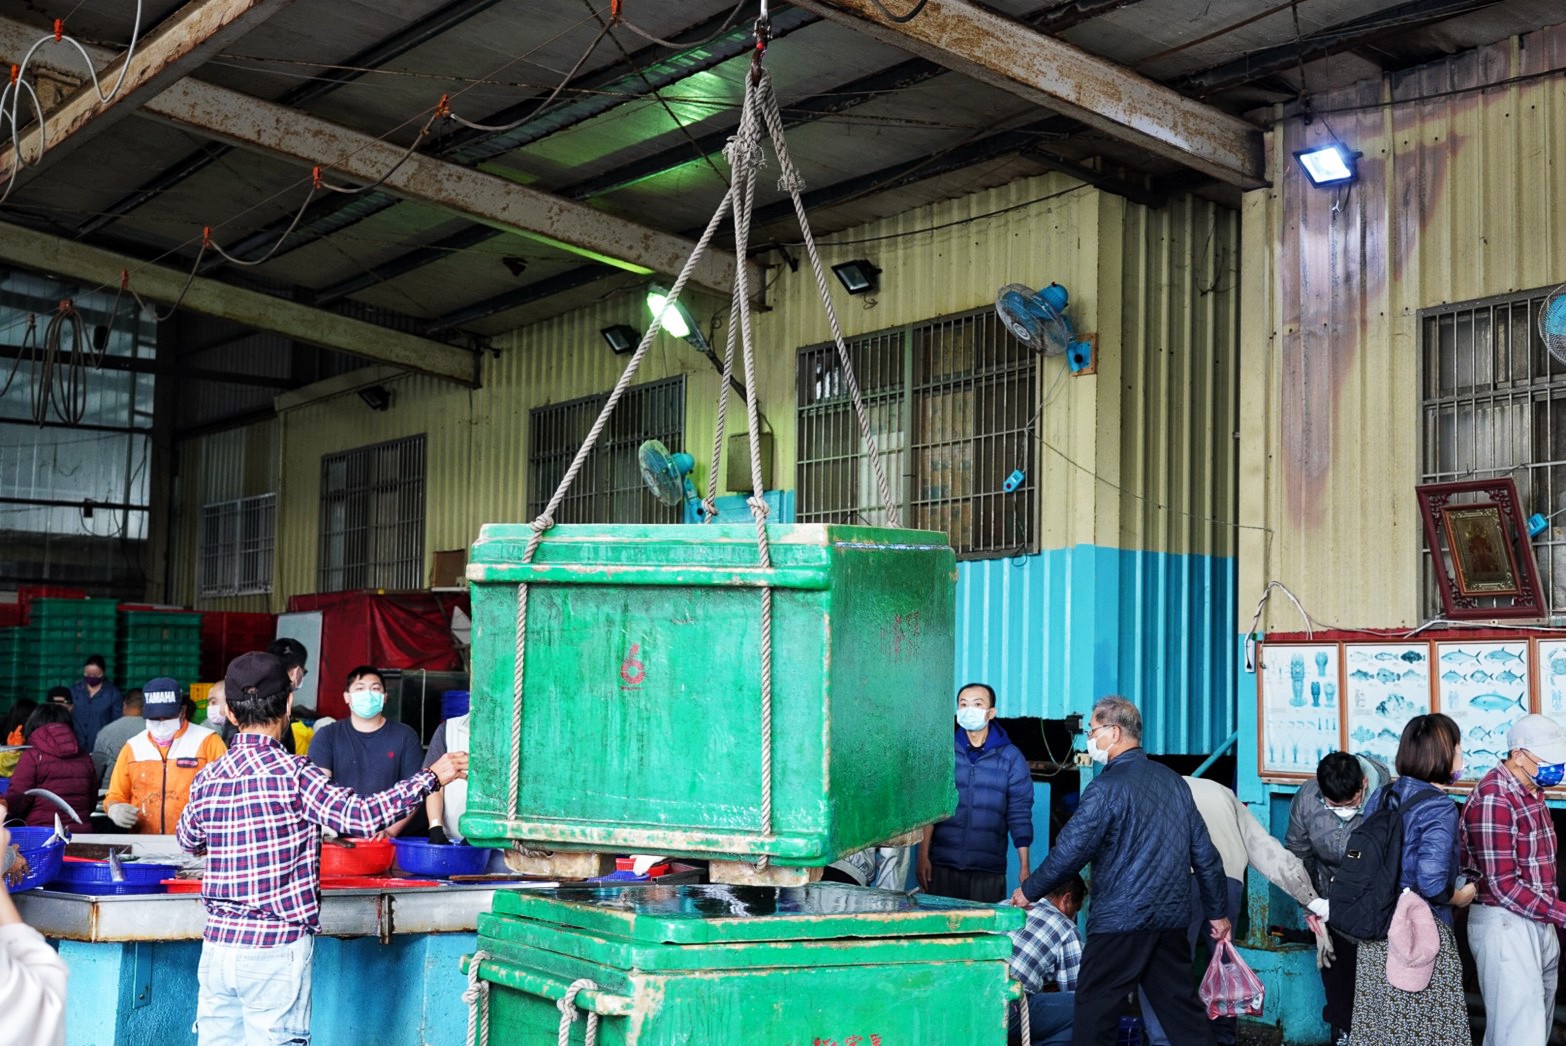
[1430,858]
[994,798]
[1138,826]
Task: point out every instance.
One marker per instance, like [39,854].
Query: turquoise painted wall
[1053,632]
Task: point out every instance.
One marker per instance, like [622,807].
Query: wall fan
[1037,318]
[668,476]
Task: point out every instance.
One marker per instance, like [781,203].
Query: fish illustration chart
[1388,684]
[1552,677]
[1300,708]
[1484,687]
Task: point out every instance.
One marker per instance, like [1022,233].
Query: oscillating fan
[1038,320]
[668,476]
[1552,323]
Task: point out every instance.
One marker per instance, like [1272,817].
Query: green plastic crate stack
[827,963]
[643,649]
[60,635]
[159,643]
[9,647]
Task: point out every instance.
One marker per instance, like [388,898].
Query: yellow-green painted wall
[1159,287]
[1461,195]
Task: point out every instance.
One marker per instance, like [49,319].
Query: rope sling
[760,115]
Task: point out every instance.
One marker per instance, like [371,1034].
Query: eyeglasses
[1101,726]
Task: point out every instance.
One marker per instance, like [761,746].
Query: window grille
[950,404]
[1495,405]
[237,541]
[372,517]
[609,488]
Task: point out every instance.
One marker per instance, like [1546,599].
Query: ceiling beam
[181,43]
[1336,39]
[44,253]
[1009,54]
[649,69]
[145,365]
[413,35]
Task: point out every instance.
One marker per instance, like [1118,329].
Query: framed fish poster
[1551,677]
[1485,687]
[1301,706]
[1387,685]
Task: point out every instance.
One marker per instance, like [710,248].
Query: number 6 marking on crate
[632,670]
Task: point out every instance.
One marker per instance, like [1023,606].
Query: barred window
[235,550]
[372,517]
[1495,406]
[950,404]
[609,488]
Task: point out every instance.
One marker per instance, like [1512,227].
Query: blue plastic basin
[43,857]
[418,857]
[94,877]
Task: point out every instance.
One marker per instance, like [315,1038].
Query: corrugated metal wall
[238,463]
[1460,195]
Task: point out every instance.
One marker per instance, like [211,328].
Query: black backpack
[1363,894]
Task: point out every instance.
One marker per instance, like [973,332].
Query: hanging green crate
[712,964]
[640,720]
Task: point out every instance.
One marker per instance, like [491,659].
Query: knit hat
[1412,944]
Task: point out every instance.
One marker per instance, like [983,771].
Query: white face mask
[1095,753]
[1345,813]
[971,718]
[163,730]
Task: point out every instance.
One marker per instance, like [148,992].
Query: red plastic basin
[368,857]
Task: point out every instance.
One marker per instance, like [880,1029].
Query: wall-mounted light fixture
[675,318]
[622,338]
[376,397]
[1330,164]
[858,276]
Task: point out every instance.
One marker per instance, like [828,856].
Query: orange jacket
[156,780]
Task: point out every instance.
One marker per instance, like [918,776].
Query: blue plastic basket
[417,857]
[92,877]
[43,857]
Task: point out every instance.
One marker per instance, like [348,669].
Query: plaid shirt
[1046,948]
[254,813]
[1508,836]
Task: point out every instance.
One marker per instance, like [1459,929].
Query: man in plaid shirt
[1045,957]
[1509,838]
[256,813]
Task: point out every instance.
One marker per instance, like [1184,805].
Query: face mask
[163,730]
[214,720]
[1457,775]
[1549,775]
[971,718]
[1095,753]
[1345,813]
[366,704]
[93,682]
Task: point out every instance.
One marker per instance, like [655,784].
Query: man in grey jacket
[1324,813]
[1138,826]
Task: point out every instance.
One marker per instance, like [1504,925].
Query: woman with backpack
[1387,1012]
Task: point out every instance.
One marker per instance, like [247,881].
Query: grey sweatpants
[1518,960]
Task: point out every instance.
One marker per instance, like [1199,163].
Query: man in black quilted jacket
[1138,827]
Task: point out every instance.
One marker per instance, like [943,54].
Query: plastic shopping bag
[1229,988]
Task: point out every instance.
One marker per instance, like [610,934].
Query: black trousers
[1157,961]
[1337,981]
[985,887]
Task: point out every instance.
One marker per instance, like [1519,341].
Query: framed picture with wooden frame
[1479,549]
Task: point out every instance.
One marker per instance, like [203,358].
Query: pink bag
[1229,988]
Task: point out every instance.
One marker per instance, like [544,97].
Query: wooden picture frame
[1480,551]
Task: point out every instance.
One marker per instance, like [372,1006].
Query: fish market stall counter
[387,962]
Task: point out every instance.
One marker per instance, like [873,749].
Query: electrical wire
[954,223]
[547,102]
[728,23]
[903,19]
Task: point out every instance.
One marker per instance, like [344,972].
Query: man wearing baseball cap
[151,779]
[1509,839]
[257,813]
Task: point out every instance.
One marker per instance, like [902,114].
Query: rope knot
[568,1012]
[475,992]
[758,506]
[743,151]
[791,182]
[542,523]
[709,507]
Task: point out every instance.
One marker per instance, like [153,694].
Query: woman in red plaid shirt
[256,814]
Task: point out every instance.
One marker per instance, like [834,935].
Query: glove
[1325,953]
[437,835]
[1319,908]
[124,814]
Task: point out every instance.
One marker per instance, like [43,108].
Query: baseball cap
[160,699]
[1412,944]
[257,671]
[1541,735]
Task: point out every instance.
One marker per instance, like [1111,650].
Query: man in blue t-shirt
[368,752]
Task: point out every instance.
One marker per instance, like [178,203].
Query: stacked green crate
[60,635]
[159,643]
[9,647]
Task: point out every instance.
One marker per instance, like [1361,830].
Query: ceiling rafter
[1007,53]
[177,47]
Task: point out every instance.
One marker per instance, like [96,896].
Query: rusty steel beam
[251,123]
[36,250]
[1009,54]
[181,43]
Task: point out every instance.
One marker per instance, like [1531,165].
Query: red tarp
[392,630]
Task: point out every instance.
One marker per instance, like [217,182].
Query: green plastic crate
[641,717]
[707,964]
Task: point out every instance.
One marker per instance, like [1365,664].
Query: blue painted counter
[386,967]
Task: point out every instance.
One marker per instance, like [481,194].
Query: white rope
[477,998]
[568,1011]
[1024,1017]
